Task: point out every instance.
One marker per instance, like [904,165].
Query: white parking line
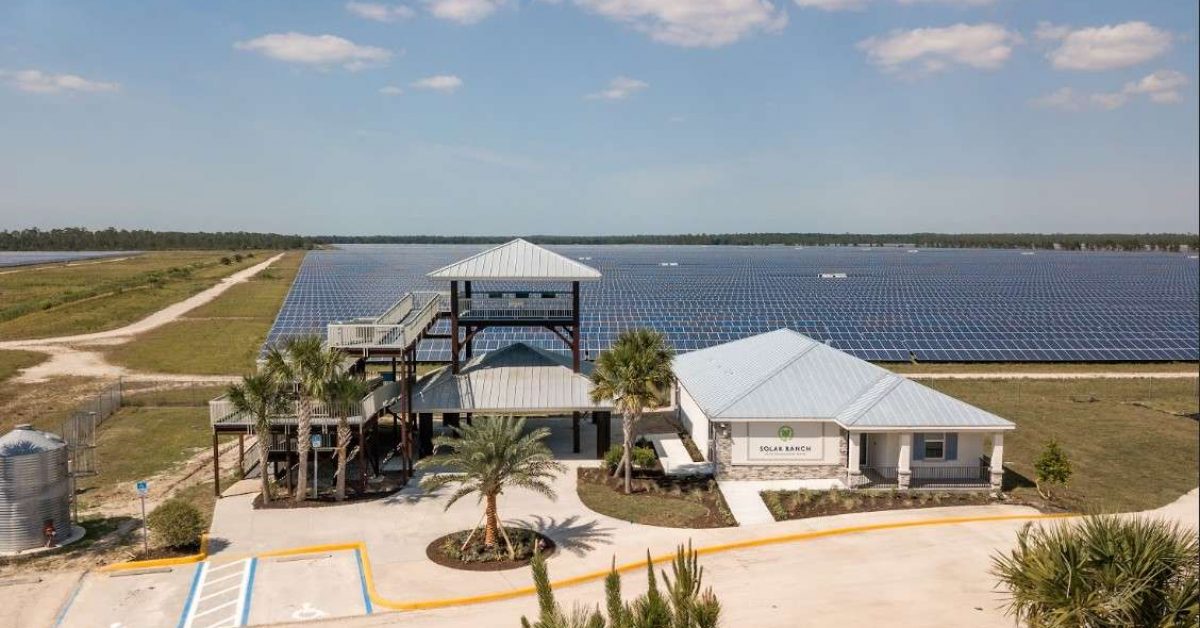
[230,610]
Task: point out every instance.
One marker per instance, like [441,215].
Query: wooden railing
[222,410]
[534,306]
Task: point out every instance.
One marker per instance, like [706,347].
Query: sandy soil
[69,356]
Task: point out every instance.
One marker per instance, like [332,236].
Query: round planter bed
[445,550]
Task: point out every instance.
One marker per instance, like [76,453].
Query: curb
[161,562]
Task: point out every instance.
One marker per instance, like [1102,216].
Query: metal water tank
[34,489]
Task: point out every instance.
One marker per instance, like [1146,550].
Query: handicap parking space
[130,599]
[307,587]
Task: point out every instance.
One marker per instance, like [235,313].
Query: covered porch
[518,380]
[964,459]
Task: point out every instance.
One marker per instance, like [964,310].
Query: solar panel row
[30,258]
[937,305]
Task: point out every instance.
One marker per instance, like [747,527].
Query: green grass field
[1128,450]
[42,302]
[138,442]
[13,361]
[219,338]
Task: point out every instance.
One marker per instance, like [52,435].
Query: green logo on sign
[786,433]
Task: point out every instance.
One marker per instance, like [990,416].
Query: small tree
[684,605]
[633,374]
[488,457]
[302,363]
[176,523]
[344,395]
[1102,572]
[1053,467]
[261,397]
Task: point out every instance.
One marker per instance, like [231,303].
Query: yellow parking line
[495,596]
[162,562]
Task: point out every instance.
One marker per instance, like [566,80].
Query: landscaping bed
[803,504]
[656,500]
[285,502]
[448,550]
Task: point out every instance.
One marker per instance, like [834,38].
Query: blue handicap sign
[315,440]
[143,487]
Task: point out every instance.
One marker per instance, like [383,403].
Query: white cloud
[464,11]
[38,82]
[1162,87]
[692,23]
[929,50]
[380,12]
[390,90]
[447,83]
[1104,47]
[316,50]
[1063,98]
[858,5]
[619,88]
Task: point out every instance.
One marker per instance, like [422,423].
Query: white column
[902,464]
[997,470]
[852,471]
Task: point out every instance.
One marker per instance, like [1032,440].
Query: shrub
[643,457]
[612,457]
[1103,571]
[1053,467]
[176,523]
[225,261]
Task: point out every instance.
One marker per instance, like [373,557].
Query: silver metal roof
[786,375]
[24,440]
[518,260]
[517,379]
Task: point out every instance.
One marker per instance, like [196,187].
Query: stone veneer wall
[726,470]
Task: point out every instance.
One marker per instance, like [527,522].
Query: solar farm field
[883,304]
[30,258]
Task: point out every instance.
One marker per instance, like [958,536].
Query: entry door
[862,450]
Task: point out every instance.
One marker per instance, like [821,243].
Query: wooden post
[603,433]
[454,354]
[575,432]
[216,466]
[470,338]
[575,326]
[424,434]
[242,454]
[362,459]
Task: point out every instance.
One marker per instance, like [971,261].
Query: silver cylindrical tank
[34,489]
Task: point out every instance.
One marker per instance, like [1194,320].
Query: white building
[781,405]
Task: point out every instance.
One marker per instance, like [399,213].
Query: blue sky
[600,116]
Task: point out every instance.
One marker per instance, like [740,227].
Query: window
[935,446]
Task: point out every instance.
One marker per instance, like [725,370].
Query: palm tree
[344,394]
[488,457]
[261,397]
[1101,572]
[634,373]
[304,363]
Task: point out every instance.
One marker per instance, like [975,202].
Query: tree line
[79,239]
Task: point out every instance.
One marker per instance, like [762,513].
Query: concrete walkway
[745,500]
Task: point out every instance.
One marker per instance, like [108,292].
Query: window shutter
[951,446]
[918,447]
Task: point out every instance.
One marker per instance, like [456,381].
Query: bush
[1053,467]
[612,458]
[644,457]
[176,524]
[1102,571]
[225,261]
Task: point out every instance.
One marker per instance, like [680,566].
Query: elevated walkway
[397,329]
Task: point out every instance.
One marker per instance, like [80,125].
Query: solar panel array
[30,258]
[877,303]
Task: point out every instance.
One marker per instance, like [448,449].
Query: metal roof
[786,375]
[517,379]
[518,260]
[25,440]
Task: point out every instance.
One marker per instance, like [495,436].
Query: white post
[997,470]
[853,472]
[903,472]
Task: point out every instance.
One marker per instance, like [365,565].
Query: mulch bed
[436,551]
[658,498]
[804,504]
